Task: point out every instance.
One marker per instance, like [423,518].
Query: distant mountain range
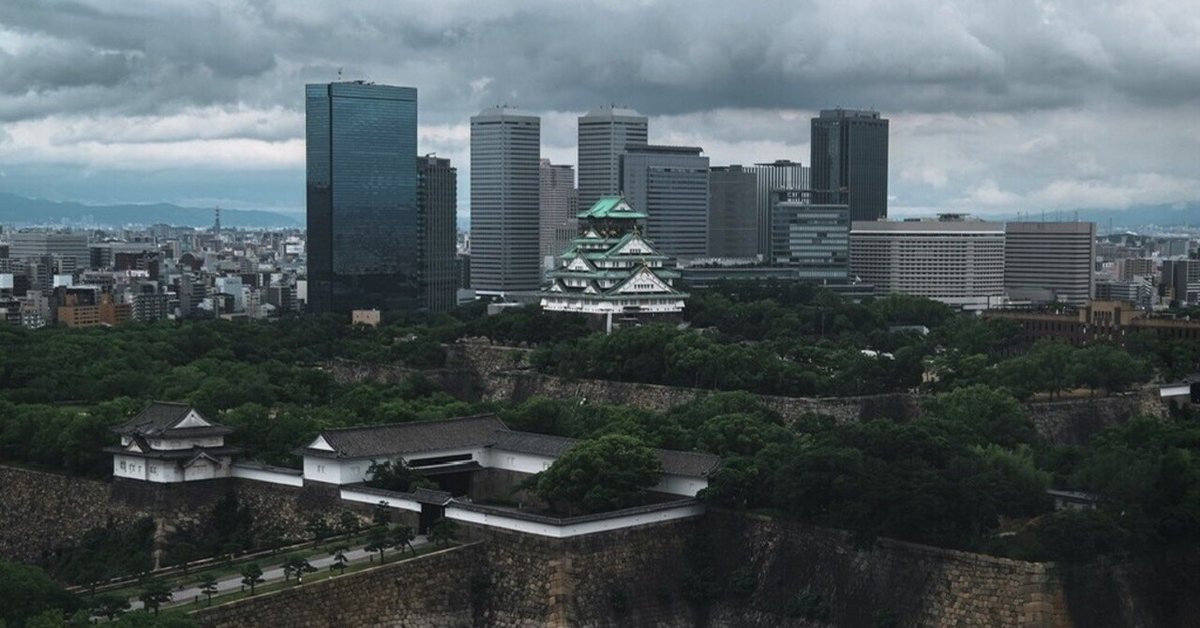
[21,212]
[1164,215]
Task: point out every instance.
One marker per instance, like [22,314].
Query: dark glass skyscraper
[363,222]
[850,154]
[437,194]
[732,212]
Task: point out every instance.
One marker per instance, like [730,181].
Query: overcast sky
[994,106]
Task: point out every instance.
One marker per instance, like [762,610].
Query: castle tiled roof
[408,438]
[612,207]
[485,430]
[162,418]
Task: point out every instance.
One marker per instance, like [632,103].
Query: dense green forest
[970,473]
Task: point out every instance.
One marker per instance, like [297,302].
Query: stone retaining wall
[501,378]
[40,512]
[620,578]
[916,585]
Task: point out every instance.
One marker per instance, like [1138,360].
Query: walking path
[272,573]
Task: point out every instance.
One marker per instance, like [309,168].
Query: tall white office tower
[505,182]
[603,135]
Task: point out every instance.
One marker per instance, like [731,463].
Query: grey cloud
[662,58]
[725,72]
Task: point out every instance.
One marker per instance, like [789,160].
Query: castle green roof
[612,207]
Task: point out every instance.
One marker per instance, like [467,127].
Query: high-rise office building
[603,135]
[952,259]
[669,184]
[1050,261]
[559,204]
[363,232]
[810,230]
[69,249]
[780,174]
[1181,279]
[850,153]
[732,212]
[505,185]
[437,200]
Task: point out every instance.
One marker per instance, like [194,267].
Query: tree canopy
[606,473]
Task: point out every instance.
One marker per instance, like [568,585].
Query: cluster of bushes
[29,598]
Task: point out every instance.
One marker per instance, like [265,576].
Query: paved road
[274,573]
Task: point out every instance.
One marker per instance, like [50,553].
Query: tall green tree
[26,591]
[208,586]
[606,473]
[252,576]
[154,594]
[378,540]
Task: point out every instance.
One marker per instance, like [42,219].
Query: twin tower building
[382,220]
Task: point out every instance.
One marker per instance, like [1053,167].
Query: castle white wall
[187,443]
[571,530]
[362,497]
[204,469]
[681,484]
[163,472]
[516,461]
[326,470]
[266,475]
[129,467]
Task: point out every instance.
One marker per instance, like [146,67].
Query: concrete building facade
[780,174]
[1050,261]
[810,231]
[1181,277]
[959,262]
[670,184]
[732,212]
[70,250]
[558,203]
[505,188]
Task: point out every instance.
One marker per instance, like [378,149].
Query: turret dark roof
[161,418]
[407,438]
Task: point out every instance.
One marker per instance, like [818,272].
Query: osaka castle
[612,270]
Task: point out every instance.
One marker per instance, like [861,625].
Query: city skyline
[101,106]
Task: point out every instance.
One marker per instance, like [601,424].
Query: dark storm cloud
[993,103]
[667,58]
